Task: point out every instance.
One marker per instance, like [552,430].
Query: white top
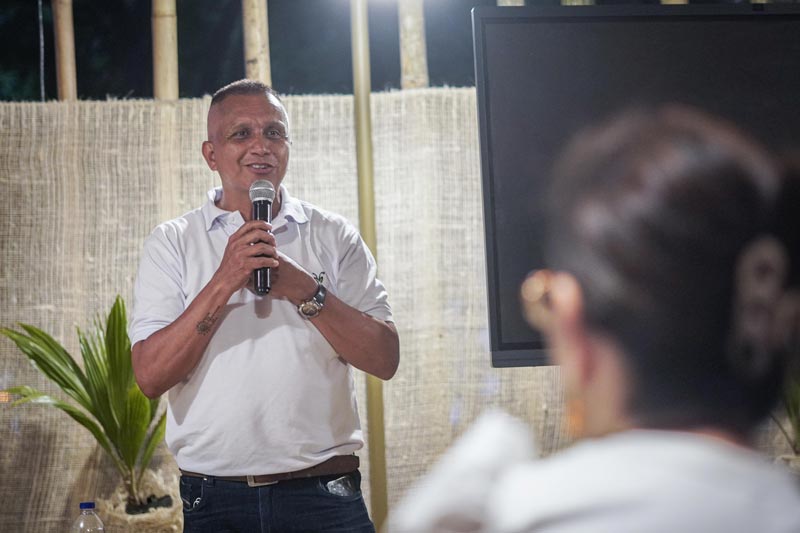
[270,394]
[631,482]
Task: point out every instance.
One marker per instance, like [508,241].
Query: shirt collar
[291,210]
[213,214]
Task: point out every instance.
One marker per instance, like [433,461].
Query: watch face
[309,309]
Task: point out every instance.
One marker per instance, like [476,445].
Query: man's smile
[260,167]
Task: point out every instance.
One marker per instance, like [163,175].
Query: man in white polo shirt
[261,416]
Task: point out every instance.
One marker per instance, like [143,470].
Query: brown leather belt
[338,464]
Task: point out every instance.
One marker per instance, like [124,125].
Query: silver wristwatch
[311,307]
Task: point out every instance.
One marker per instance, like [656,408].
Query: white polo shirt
[633,481]
[270,394]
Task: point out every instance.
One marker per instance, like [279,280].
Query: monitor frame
[534,353]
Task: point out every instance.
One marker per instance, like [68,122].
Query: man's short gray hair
[243,87]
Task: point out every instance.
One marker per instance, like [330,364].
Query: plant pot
[156,520]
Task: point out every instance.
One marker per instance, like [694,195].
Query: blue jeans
[300,505]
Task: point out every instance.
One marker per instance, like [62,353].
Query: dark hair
[243,87]
[651,212]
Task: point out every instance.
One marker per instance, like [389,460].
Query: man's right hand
[252,246]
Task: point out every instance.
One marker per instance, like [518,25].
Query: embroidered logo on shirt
[319,277]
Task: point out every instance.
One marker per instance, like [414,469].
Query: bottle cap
[87,505]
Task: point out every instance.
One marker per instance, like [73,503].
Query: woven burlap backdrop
[84,183]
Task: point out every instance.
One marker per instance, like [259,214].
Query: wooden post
[256,41]
[65,50]
[366,216]
[413,52]
[165,50]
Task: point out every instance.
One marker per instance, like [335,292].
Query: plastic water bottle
[87,521]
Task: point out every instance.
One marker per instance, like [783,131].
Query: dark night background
[309,44]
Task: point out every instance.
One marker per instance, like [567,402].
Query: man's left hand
[291,281]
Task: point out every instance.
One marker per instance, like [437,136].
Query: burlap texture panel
[84,183]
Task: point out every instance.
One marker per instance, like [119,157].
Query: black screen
[543,73]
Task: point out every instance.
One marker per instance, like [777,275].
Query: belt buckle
[251,482]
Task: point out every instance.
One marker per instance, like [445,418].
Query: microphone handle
[262,210]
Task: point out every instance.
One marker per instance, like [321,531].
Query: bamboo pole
[359,31]
[165,50]
[256,41]
[413,52]
[65,50]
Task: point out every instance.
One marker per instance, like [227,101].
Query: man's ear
[208,155]
[569,324]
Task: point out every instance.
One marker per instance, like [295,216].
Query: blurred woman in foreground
[671,305]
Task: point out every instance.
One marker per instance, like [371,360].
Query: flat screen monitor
[542,73]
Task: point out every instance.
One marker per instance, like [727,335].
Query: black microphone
[262,193]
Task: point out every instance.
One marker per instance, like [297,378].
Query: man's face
[248,140]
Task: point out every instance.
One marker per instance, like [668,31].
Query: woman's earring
[536,303]
[575,416]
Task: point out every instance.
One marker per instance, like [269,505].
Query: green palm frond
[133,430]
[152,441]
[29,394]
[118,348]
[52,360]
[94,361]
[791,400]
[111,405]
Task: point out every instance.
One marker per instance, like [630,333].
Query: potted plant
[125,423]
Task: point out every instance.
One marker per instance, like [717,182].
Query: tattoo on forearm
[205,325]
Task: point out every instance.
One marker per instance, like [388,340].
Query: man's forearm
[365,342]
[167,356]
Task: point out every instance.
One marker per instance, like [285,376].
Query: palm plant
[111,405]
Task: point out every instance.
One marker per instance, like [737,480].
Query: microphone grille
[262,190]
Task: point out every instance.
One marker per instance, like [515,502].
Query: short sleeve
[158,295]
[357,284]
